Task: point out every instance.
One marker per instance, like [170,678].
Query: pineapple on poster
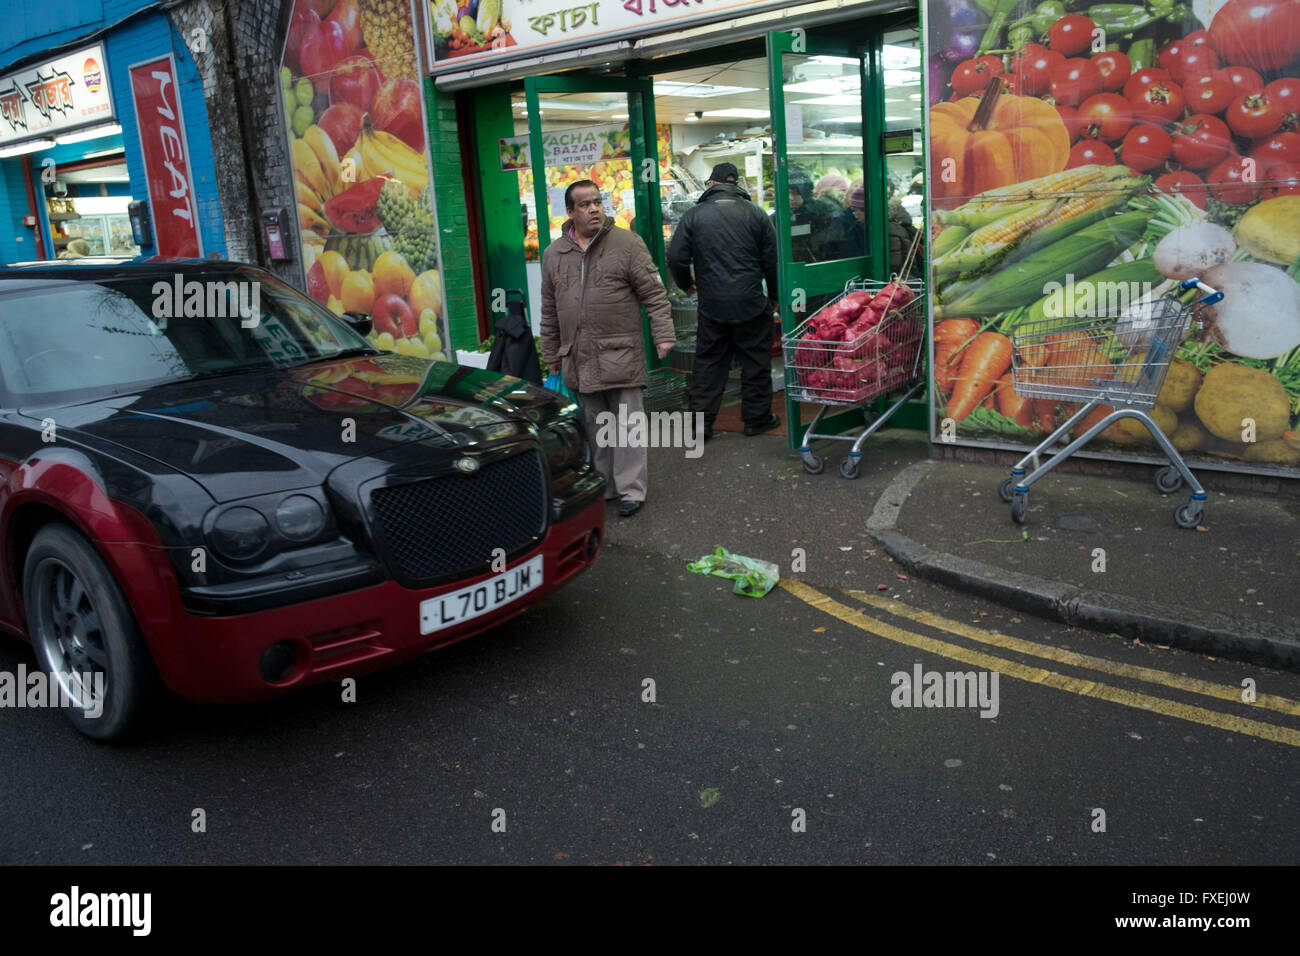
[353,103]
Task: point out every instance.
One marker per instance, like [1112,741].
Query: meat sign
[166,158]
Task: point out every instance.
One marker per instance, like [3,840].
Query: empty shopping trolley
[1118,361]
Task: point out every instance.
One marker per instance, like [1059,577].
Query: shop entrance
[620,156]
[831,118]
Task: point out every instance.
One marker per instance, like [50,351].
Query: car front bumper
[221,658]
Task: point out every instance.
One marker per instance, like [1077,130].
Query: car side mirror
[359,322]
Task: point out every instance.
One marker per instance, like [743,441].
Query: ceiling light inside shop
[738,113]
[95,132]
[833,86]
[901,77]
[618,115]
[30,146]
[582,106]
[839,99]
[676,88]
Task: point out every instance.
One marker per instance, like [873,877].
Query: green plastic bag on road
[753,577]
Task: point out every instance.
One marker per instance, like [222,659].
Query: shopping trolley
[1120,361]
[881,357]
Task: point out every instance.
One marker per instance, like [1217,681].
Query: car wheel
[83,632]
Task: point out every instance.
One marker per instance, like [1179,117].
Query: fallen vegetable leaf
[819,630]
[709,796]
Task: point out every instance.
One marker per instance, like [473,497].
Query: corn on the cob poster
[354,107]
[1084,158]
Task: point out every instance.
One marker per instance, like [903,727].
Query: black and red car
[249,498]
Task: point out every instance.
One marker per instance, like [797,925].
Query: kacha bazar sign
[582,146]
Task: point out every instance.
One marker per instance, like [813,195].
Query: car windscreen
[69,340]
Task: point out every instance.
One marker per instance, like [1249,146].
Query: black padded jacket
[730,245]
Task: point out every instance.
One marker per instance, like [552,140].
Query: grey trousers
[624,467]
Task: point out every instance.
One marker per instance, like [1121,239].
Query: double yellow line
[1037,675]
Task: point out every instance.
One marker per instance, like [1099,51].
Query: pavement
[1099,547]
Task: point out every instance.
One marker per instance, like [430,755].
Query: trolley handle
[1211,295]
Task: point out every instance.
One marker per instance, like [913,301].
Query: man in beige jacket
[595,279]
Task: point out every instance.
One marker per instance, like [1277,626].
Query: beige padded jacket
[591,309]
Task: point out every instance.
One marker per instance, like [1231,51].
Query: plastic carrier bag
[753,577]
[555,382]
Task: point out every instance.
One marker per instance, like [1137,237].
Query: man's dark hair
[568,193]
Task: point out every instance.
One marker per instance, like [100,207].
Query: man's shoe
[628,508]
[752,430]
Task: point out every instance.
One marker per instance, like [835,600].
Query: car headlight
[299,518]
[241,533]
[565,444]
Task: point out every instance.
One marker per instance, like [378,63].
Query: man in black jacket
[731,246]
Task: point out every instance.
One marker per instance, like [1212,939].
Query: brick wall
[255,134]
[204,29]
[453,223]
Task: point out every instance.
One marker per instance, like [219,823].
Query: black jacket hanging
[513,350]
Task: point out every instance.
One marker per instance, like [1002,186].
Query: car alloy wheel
[81,626]
[69,635]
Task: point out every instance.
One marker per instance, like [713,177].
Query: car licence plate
[482,598]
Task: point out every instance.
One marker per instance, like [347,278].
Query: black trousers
[715,343]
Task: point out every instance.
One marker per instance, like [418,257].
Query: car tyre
[79,622]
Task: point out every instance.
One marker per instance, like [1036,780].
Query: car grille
[449,526]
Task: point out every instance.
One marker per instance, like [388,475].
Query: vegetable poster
[354,108]
[1085,158]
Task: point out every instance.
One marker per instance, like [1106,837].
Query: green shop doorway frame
[801,282]
[645,163]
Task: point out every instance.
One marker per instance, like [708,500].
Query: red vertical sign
[166,158]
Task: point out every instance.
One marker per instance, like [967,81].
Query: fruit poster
[354,108]
[1084,158]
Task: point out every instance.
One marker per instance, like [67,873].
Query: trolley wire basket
[1118,361]
[863,344]
[1071,359]
[854,368]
